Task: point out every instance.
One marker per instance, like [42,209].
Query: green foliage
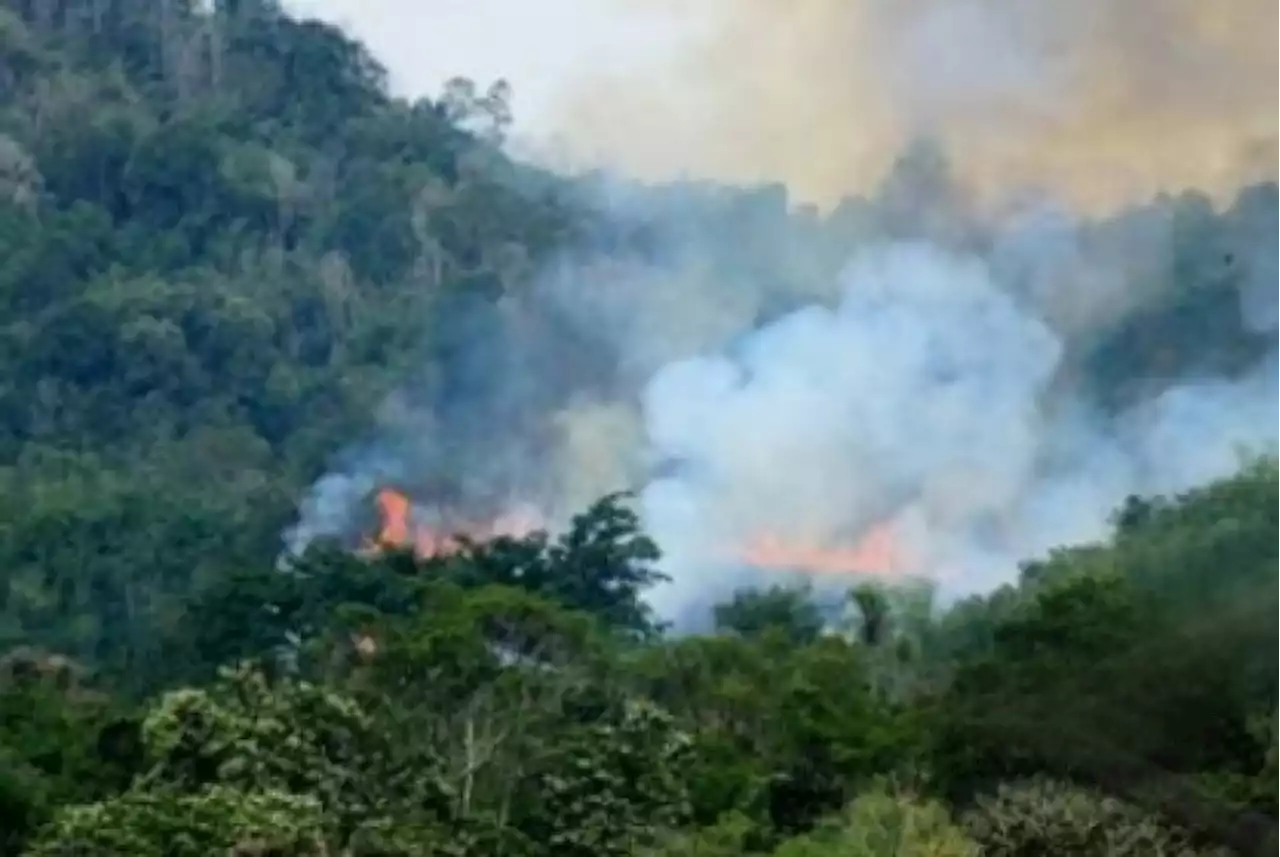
[58,742]
[215,820]
[780,731]
[293,737]
[880,824]
[211,271]
[1041,817]
[249,764]
[731,836]
[1127,664]
[222,242]
[789,610]
[612,787]
[601,564]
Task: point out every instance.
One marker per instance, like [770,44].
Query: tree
[286,765]
[1044,817]
[602,564]
[880,824]
[612,787]
[165,824]
[224,245]
[487,115]
[754,611]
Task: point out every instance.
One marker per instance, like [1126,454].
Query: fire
[394,508]
[878,553]
[398,530]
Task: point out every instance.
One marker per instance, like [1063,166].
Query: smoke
[961,356]
[923,400]
[984,387]
[913,401]
[1100,102]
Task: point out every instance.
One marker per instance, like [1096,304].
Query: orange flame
[878,553]
[394,507]
[399,531]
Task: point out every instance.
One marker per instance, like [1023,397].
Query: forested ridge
[221,242]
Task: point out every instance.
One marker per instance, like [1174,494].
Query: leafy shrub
[216,820]
[880,824]
[1045,818]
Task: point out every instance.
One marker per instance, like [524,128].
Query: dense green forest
[219,240]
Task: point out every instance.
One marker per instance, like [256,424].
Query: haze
[547,50]
[1097,102]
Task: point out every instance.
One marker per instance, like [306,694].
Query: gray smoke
[989,385]
[915,401]
[924,399]
[1101,101]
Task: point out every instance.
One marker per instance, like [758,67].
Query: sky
[545,49]
[1097,102]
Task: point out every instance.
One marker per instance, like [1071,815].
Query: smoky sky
[1043,277]
[1101,103]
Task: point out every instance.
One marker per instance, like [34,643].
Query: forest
[220,237]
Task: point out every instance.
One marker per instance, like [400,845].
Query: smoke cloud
[961,356]
[982,388]
[924,400]
[913,401]
[1100,102]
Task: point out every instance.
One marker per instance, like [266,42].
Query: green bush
[217,820]
[729,837]
[1045,818]
[880,824]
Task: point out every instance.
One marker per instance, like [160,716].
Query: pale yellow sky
[544,48]
[1099,101]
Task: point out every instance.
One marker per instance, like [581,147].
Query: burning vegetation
[877,553]
[404,525]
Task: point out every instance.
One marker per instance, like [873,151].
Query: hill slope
[218,239]
[223,245]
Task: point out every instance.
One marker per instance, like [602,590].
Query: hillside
[214,259]
[232,267]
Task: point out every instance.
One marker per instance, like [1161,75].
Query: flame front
[394,508]
[398,530]
[878,553]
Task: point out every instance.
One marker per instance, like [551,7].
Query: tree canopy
[220,237]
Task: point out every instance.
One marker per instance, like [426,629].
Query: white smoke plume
[923,400]
[944,381]
[958,354]
[914,400]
